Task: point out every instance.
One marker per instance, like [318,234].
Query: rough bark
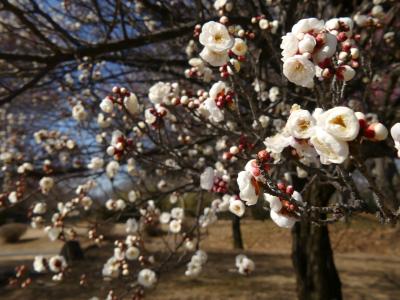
[312,256]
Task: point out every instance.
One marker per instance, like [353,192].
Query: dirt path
[367,256]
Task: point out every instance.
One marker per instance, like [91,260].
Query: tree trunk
[312,256]
[72,251]
[237,233]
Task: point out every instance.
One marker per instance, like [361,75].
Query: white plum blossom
[53,232]
[96,163]
[335,23]
[341,122]
[208,217]
[39,208]
[196,263]
[215,37]
[327,50]
[244,264]
[217,88]
[131,104]
[299,70]
[57,263]
[201,256]
[25,167]
[215,113]
[147,278]
[216,41]
[248,186]
[86,202]
[330,149]
[207,179]
[39,264]
[112,169]
[173,198]
[111,268]
[277,143]
[274,94]
[177,213]
[132,253]
[175,226]
[239,47]
[237,207]
[78,112]
[221,205]
[165,217]
[289,45]
[159,92]
[118,253]
[103,121]
[300,124]
[215,59]
[151,114]
[116,205]
[219,4]
[306,26]
[116,137]
[107,105]
[46,184]
[13,197]
[282,220]
[395,133]
[307,44]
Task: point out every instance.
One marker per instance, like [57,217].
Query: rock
[12,232]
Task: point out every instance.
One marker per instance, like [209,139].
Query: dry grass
[367,256]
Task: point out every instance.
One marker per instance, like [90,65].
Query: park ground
[367,256]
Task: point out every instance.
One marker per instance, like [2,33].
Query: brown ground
[366,254]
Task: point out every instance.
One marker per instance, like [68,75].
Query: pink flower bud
[380,131]
[345,73]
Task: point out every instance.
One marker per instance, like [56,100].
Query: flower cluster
[215,180]
[124,251]
[372,18]
[53,141]
[173,219]
[217,41]
[248,180]
[219,96]
[323,133]
[221,48]
[198,70]
[222,6]
[119,144]
[283,212]
[196,263]
[264,24]
[154,115]
[123,98]
[56,264]
[307,51]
